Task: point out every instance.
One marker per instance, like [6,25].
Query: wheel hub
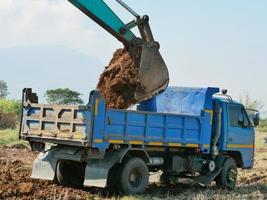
[134,178]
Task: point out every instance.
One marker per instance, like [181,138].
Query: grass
[10,137]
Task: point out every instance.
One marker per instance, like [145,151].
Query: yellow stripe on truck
[98,141]
[211,114]
[155,143]
[116,141]
[240,146]
[171,144]
[96,107]
[136,142]
[192,145]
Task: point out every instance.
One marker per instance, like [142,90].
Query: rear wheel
[113,178]
[70,173]
[134,176]
[227,177]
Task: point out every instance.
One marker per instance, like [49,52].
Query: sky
[48,44]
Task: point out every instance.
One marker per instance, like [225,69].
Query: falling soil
[120,79]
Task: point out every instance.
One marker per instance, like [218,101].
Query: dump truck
[195,133]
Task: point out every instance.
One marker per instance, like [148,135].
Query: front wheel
[134,176]
[227,178]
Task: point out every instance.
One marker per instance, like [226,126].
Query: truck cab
[237,131]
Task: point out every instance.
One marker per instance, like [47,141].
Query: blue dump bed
[180,117]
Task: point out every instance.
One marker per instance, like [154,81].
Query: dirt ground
[120,79]
[15,183]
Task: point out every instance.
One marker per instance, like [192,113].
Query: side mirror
[256,119]
[254,116]
[241,120]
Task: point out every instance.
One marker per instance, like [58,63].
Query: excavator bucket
[154,75]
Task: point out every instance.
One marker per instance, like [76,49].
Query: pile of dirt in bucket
[120,79]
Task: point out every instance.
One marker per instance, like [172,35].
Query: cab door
[241,135]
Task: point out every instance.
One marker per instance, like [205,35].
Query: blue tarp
[181,100]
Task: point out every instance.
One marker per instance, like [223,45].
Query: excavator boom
[153,73]
[99,11]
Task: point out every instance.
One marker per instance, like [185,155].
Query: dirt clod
[120,79]
[26,188]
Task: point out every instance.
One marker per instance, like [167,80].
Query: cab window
[238,116]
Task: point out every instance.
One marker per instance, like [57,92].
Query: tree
[3,89]
[63,96]
[250,103]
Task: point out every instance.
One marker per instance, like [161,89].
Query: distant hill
[44,67]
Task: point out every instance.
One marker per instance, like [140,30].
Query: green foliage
[9,113]
[10,106]
[3,89]
[63,96]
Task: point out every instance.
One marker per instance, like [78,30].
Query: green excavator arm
[101,13]
[153,73]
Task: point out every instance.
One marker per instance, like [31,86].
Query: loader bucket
[154,75]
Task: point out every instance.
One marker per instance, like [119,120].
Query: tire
[70,173]
[227,178]
[134,176]
[113,178]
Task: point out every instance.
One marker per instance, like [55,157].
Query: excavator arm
[98,11]
[153,73]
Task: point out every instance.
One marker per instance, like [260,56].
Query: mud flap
[207,178]
[96,171]
[44,166]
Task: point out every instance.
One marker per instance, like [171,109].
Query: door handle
[230,139]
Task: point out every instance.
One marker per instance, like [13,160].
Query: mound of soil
[16,183]
[120,79]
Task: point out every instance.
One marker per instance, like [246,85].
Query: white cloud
[49,22]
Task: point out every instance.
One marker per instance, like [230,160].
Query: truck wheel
[134,176]
[70,173]
[227,178]
[113,178]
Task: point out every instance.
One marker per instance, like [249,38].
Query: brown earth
[15,183]
[120,79]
